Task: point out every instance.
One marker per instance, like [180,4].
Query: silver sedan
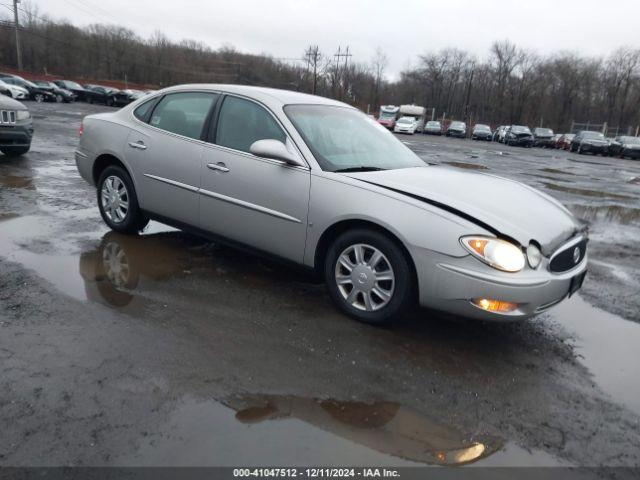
[315,182]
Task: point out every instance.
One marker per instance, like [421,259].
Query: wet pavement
[165,349]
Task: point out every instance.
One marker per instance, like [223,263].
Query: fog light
[495,305]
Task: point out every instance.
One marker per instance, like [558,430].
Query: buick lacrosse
[318,183]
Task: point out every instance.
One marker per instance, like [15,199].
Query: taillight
[81,131]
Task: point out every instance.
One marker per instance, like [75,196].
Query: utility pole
[16,27]
[338,56]
[313,57]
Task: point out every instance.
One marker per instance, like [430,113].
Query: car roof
[269,96]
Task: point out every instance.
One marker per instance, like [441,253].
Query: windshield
[387,116]
[631,140]
[596,135]
[544,131]
[457,125]
[433,124]
[520,129]
[482,127]
[406,120]
[343,138]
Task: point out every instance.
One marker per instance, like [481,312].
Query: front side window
[183,113]
[243,122]
[343,138]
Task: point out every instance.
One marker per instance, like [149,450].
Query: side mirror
[275,150]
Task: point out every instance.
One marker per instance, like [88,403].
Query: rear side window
[143,111]
[183,113]
[242,122]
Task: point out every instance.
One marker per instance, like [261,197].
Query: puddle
[468,166]
[290,430]
[585,192]
[607,345]
[606,213]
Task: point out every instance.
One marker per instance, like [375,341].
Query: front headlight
[23,115]
[496,253]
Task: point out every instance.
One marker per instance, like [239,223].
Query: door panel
[260,203]
[168,173]
[167,155]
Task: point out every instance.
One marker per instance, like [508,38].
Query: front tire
[15,151]
[369,276]
[118,202]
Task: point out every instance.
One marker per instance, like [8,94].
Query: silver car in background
[315,182]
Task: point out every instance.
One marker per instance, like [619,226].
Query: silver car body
[289,210]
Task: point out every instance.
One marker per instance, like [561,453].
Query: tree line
[509,85]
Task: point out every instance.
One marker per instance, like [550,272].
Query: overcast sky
[402,28]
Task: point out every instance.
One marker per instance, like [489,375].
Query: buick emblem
[576,255]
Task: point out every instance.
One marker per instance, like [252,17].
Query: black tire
[59,98]
[579,150]
[14,151]
[89,99]
[404,283]
[38,97]
[109,102]
[134,220]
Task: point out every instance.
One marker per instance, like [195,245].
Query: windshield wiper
[360,169]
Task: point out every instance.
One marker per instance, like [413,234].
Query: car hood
[510,208]
[11,104]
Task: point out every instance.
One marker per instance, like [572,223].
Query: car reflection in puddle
[297,431]
[115,273]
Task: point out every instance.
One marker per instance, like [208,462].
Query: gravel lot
[165,349]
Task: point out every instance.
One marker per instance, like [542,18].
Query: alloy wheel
[115,199]
[364,277]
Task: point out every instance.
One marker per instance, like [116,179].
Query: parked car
[16,127]
[625,146]
[564,143]
[35,93]
[101,94]
[457,129]
[543,137]
[380,226]
[556,138]
[13,91]
[433,128]
[125,97]
[406,125]
[61,94]
[590,142]
[518,135]
[481,132]
[78,90]
[498,134]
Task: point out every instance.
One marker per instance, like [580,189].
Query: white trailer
[416,112]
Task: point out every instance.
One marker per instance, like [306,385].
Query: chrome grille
[568,255]
[7,117]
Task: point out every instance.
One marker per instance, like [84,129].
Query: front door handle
[139,145]
[218,166]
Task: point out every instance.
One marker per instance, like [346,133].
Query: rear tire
[369,276]
[118,202]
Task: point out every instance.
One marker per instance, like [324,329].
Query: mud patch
[586,192]
[467,166]
[606,213]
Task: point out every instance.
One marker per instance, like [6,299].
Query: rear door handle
[139,145]
[218,166]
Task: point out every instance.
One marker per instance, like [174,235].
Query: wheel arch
[105,160]
[333,231]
